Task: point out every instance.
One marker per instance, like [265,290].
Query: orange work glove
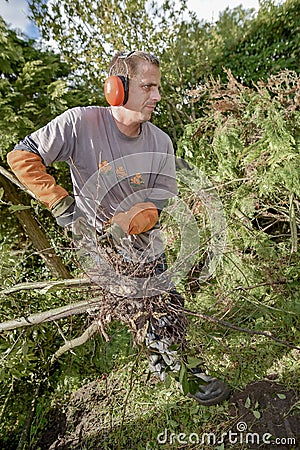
[140,218]
[31,171]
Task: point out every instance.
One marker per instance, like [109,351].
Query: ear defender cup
[116,90]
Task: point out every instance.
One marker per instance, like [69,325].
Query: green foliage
[247,142]
[269,43]
[26,371]
[249,137]
[105,29]
[34,87]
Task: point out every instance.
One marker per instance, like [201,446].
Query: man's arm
[31,171]
[29,158]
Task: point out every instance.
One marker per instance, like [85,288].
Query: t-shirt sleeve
[56,140]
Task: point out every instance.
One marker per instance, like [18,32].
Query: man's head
[128,63]
[138,74]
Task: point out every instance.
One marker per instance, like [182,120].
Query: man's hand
[71,218]
[116,232]
[113,232]
[139,219]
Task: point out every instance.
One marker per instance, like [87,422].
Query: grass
[137,412]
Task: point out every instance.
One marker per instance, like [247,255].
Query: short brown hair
[124,63]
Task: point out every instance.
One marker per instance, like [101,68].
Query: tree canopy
[36,85]
[269,44]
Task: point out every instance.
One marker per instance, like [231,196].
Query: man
[123,173]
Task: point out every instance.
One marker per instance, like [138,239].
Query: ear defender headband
[116,87]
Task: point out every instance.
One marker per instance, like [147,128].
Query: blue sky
[15,12]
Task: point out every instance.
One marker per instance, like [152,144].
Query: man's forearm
[31,171]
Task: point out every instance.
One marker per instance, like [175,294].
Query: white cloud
[209,9]
[15,12]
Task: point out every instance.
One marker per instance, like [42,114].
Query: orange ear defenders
[116,87]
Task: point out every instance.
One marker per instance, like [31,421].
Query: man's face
[144,91]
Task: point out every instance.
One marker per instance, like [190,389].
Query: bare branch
[30,225]
[76,342]
[92,281]
[50,315]
[243,330]
[47,286]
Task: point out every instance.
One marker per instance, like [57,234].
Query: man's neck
[126,124]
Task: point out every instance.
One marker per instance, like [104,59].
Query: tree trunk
[33,231]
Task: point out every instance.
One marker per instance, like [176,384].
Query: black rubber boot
[211,390]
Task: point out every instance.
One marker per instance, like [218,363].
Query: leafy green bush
[247,143]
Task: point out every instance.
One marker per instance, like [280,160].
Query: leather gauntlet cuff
[31,171]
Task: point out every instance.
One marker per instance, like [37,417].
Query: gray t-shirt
[110,171]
